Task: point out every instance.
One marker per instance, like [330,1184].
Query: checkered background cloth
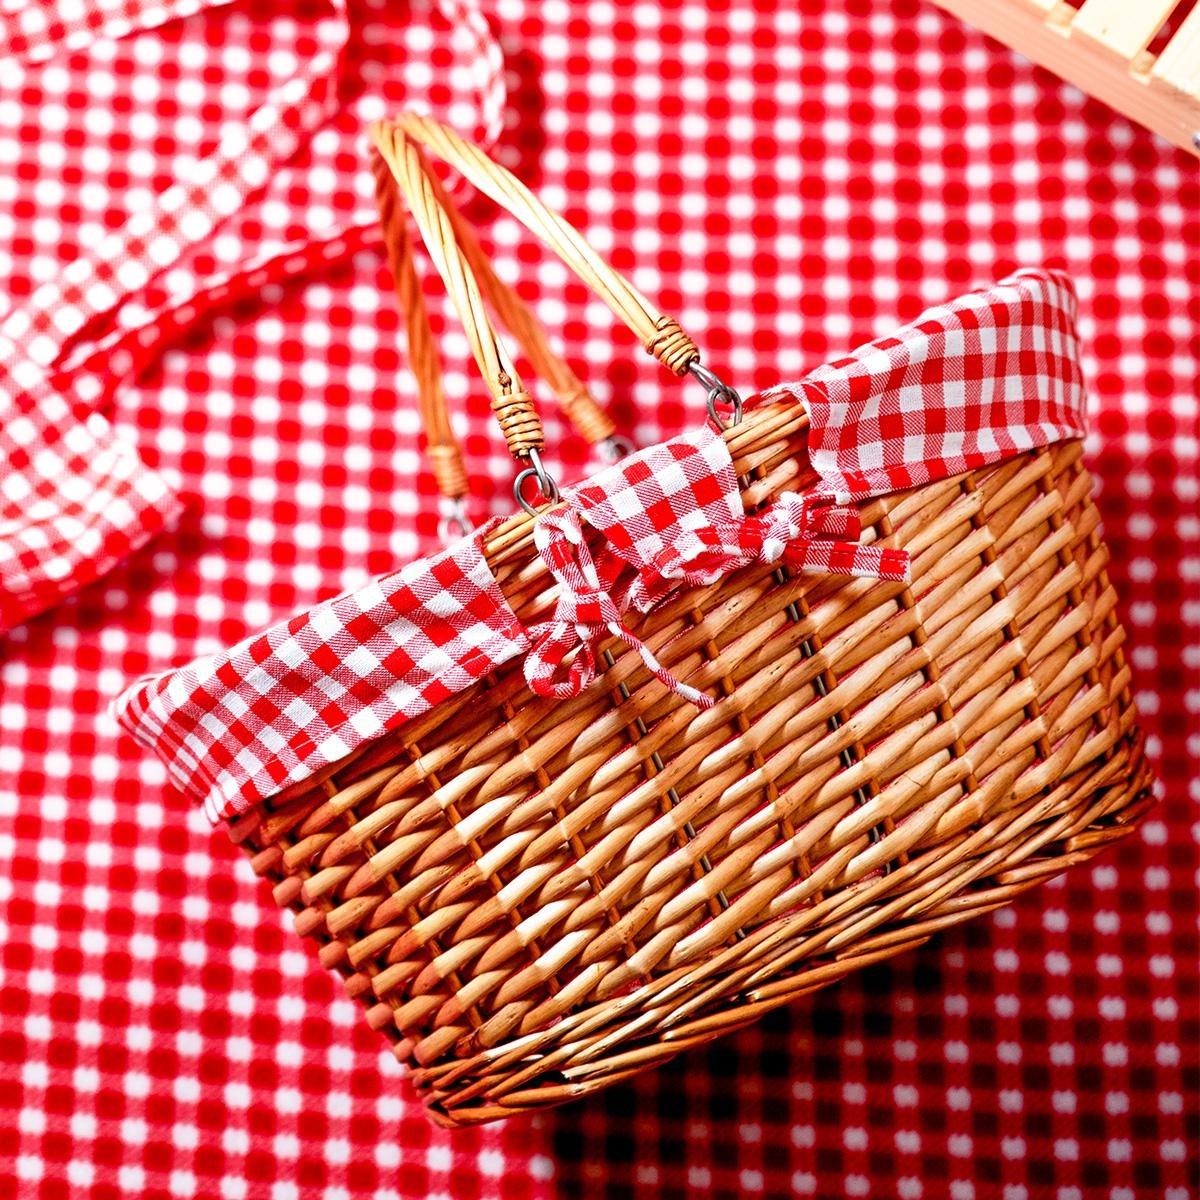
[788,180]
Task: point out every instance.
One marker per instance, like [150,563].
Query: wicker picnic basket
[534,897]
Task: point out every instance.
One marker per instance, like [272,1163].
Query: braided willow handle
[575,401]
[511,403]
[467,274]
[443,447]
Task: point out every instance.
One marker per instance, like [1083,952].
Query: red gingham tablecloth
[789,180]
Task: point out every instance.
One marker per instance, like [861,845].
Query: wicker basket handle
[467,275]
[445,453]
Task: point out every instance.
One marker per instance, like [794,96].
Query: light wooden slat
[1123,26]
[1165,98]
[1179,63]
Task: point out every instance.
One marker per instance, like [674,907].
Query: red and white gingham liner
[969,383]
[983,378]
[283,704]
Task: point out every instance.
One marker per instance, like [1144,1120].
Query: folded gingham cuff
[967,384]
[239,726]
[990,375]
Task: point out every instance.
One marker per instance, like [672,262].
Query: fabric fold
[240,726]
[981,378]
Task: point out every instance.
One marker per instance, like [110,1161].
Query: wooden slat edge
[1120,26]
[1179,63]
[1167,109]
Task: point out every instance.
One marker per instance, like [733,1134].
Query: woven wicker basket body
[534,898]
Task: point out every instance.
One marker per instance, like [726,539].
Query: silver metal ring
[613,449]
[545,481]
[719,392]
[453,523]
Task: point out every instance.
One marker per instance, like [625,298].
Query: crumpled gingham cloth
[789,180]
[971,382]
[74,498]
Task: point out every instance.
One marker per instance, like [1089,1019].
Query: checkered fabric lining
[970,382]
[789,179]
[242,726]
[967,384]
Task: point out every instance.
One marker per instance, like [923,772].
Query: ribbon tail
[692,695]
[820,556]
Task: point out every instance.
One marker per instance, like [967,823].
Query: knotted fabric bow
[969,383]
[584,613]
[795,531]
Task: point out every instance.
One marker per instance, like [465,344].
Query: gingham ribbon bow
[584,614]
[802,533]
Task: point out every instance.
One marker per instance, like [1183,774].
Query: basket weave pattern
[535,898]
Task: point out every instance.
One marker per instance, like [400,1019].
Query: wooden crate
[1102,46]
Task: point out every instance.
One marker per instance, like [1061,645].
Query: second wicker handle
[400,144]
